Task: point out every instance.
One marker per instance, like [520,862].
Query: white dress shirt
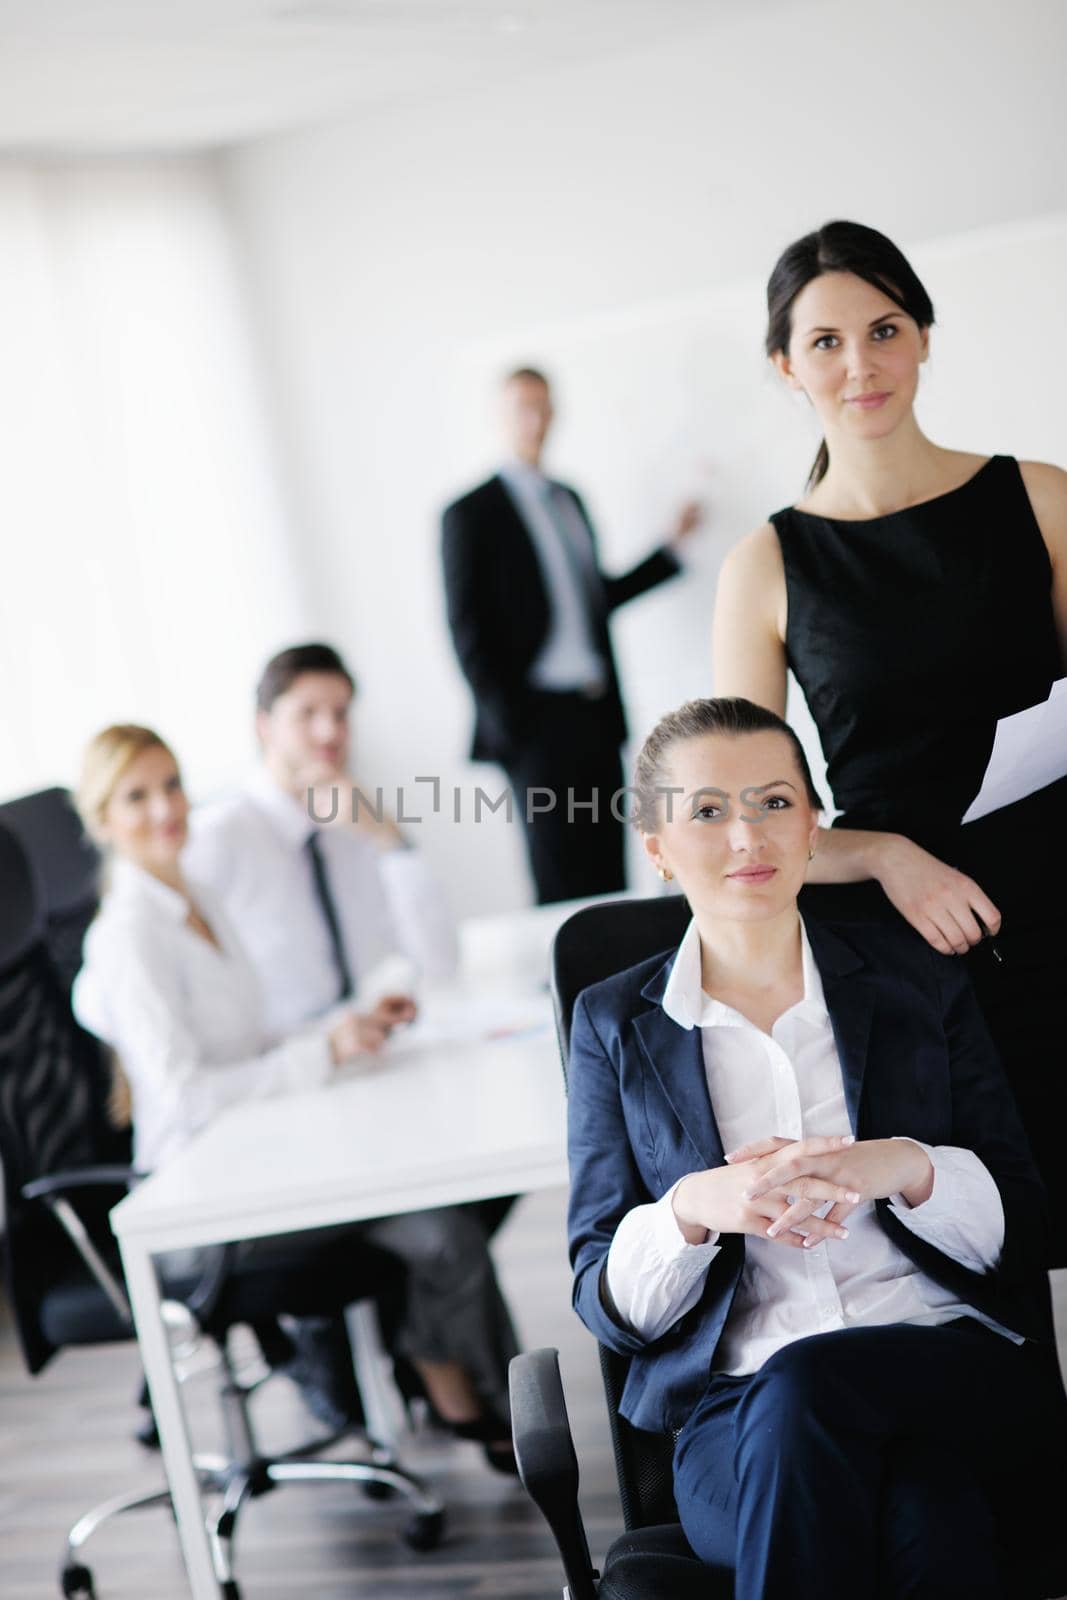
[789,1084]
[184,1017]
[569,658]
[251,850]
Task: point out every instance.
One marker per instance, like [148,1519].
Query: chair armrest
[80,1178]
[548,1465]
[52,1192]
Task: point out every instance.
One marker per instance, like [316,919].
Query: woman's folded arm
[964,1216]
[653,1275]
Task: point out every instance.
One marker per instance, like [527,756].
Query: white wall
[395,263]
[146,567]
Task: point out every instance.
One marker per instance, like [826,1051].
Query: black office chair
[62,1270]
[653,1559]
[67,869]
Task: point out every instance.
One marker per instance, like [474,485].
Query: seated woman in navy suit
[801,1200]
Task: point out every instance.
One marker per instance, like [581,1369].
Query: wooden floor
[65,1443]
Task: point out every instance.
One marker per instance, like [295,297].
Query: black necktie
[329,914]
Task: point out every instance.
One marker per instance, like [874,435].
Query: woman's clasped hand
[800,1191]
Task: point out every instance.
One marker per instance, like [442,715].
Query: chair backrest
[67,868]
[592,944]
[52,1091]
[21,912]
[595,943]
[604,939]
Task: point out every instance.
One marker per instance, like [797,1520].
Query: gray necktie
[580,561]
[328,908]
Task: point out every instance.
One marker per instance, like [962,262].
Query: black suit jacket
[916,1058]
[498,611]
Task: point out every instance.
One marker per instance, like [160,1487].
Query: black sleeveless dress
[910,635]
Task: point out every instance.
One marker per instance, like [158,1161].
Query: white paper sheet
[1030,750]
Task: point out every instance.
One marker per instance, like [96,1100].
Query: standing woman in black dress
[918,594]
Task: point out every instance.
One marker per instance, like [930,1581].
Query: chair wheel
[378,1491]
[146,1433]
[425,1531]
[77,1583]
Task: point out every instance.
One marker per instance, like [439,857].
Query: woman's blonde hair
[105,760]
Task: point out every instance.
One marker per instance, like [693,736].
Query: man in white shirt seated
[318,905]
[322,907]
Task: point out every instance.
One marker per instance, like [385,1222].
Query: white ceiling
[127,75]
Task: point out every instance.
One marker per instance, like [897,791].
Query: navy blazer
[499,616]
[916,1058]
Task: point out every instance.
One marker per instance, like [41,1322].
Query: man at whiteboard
[529,607]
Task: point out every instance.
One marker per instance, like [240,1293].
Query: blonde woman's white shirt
[184,1017]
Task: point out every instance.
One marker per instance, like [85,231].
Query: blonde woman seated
[167,985]
[802,1202]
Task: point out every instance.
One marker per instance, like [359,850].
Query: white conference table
[469,1104]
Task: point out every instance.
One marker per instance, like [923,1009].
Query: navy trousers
[857,1464]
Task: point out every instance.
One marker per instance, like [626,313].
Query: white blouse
[185,1017]
[789,1083]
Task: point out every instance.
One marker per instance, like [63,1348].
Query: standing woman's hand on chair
[940,903]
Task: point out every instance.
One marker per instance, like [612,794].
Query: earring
[665,873]
[811,852]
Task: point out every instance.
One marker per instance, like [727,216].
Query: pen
[518,1032]
[993,951]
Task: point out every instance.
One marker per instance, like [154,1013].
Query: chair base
[247,1477]
[75,1578]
